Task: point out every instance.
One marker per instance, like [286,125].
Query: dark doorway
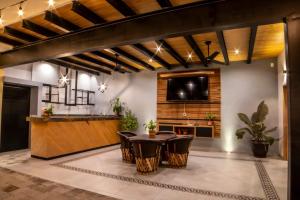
[15,109]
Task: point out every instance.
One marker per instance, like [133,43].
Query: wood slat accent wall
[172,112]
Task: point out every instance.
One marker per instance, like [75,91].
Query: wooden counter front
[53,139]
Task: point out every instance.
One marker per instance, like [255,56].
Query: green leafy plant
[48,111]
[129,121]
[210,116]
[151,125]
[117,106]
[255,126]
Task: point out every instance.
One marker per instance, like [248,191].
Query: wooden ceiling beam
[164,3]
[72,66]
[19,34]
[9,41]
[195,18]
[132,58]
[38,29]
[251,43]
[122,7]
[88,66]
[222,44]
[61,22]
[148,53]
[97,62]
[112,59]
[190,40]
[86,13]
[172,52]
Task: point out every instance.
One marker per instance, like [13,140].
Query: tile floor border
[266,182]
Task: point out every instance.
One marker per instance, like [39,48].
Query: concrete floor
[209,175]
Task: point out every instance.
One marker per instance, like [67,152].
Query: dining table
[158,138]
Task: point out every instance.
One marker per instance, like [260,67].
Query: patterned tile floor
[209,175]
[17,186]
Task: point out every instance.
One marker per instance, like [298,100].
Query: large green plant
[129,121]
[255,126]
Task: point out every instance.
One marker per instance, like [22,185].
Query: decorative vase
[152,134]
[210,123]
[260,149]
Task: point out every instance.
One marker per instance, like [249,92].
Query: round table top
[158,138]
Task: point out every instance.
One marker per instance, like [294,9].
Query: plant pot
[260,149]
[210,123]
[152,134]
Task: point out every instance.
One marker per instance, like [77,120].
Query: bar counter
[56,136]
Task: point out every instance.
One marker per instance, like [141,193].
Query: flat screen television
[187,89]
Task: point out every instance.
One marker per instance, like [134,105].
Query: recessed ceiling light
[158,48]
[150,60]
[236,51]
[51,3]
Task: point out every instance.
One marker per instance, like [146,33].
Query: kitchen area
[56,110]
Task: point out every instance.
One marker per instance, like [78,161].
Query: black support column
[293,58]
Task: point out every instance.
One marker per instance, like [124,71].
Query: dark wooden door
[15,109]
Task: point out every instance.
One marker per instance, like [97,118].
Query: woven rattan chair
[147,155]
[178,151]
[126,147]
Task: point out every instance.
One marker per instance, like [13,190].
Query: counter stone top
[66,118]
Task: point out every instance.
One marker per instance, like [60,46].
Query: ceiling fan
[211,57]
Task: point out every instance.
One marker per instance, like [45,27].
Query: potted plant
[210,117]
[258,131]
[47,112]
[117,106]
[151,126]
[129,122]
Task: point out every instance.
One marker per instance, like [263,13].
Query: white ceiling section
[31,8]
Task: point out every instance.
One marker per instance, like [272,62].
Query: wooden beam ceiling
[132,58]
[122,7]
[251,43]
[175,21]
[19,34]
[222,44]
[151,55]
[9,41]
[164,3]
[190,40]
[172,52]
[72,66]
[38,29]
[85,65]
[61,22]
[112,59]
[86,13]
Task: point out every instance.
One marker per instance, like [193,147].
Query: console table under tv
[184,129]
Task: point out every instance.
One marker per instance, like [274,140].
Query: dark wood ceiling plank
[251,43]
[190,40]
[172,52]
[38,29]
[122,7]
[97,62]
[222,44]
[86,13]
[170,22]
[132,58]
[9,41]
[61,22]
[151,55]
[20,35]
[164,3]
[112,59]
[72,66]
[76,62]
